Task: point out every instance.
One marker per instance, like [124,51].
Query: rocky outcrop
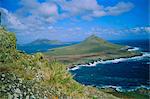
[13,87]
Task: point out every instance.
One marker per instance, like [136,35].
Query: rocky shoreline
[115,89]
[99,60]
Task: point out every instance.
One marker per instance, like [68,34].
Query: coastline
[137,93]
[117,89]
[106,61]
[94,61]
[120,89]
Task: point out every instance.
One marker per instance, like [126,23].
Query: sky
[75,20]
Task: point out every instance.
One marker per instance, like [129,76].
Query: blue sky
[74,20]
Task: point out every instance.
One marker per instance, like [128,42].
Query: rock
[18,91]
[24,93]
[8,81]
[3,75]
[20,80]
[33,97]
[27,97]
[2,79]
[9,86]
[15,96]
[29,90]
[24,86]
[10,96]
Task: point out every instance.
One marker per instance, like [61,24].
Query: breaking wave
[144,54]
[134,49]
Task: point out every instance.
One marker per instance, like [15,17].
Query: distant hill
[92,44]
[46,41]
[41,45]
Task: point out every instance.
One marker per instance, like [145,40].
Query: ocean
[122,74]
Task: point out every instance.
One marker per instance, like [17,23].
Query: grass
[92,44]
[54,77]
[91,48]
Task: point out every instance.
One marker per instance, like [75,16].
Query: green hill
[92,44]
[91,48]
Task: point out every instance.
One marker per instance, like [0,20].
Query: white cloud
[35,18]
[78,6]
[120,8]
[88,9]
[147,29]
[139,30]
[30,4]
[10,19]
[47,10]
[98,13]
[114,33]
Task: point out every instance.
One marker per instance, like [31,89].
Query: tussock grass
[49,78]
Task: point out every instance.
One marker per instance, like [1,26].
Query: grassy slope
[91,45]
[55,79]
[91,48]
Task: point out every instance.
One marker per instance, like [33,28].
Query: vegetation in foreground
[32,76]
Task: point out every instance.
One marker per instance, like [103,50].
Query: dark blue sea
[126,75]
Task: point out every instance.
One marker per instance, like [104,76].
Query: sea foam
[144,54]
[126,59]
[74,68]
[134,49]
